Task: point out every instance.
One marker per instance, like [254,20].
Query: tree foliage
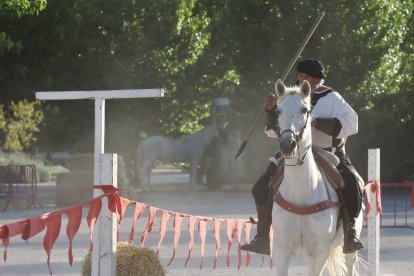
[20,119]
[18,124]
[200,50]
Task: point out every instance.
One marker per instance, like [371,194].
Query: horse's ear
[305,88]
[280,88]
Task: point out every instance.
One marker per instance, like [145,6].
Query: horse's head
[293,108]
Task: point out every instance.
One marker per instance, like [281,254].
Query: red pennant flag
[231,227]
[114,205]
[375,187]
[13,229]
[163,228]
[4,236]
[217,237]
[202,230]
[124,204]
[150,224]
[139,209]
[4,232]
[247,227]
[177,229]
[10,230]
[52,232]
[35,226]
[368,196]
[74,219]
[239,227]
[94,210]
[191,222]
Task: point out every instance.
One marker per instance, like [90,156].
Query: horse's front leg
[317,263]
[282,255]
[318,254]
[145,175]
[350,261]
[193,174]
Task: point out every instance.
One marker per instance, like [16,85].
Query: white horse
[317,236]
[189,148]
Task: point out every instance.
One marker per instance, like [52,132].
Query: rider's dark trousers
[260,189]
[352,191]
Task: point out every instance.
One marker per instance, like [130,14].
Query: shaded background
[200,51]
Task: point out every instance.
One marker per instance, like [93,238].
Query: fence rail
[397,214]
[19,181]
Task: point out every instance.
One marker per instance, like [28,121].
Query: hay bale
[145,262]
[131,261]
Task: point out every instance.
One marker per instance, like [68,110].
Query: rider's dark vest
[316,96]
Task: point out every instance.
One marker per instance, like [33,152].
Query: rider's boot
[260,244]
[351,241]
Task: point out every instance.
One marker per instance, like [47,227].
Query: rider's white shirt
[330,106]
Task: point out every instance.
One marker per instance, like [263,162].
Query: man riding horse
[333,120]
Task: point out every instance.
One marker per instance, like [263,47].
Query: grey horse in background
[189,148]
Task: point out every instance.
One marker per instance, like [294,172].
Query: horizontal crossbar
[100,94]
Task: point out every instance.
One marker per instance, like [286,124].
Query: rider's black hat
[311,67]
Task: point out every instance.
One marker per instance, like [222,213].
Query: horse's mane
[199,133]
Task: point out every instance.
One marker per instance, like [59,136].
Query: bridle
[298,138]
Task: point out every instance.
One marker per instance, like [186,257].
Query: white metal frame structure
[105,170]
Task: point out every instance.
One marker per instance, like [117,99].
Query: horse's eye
[277,111]
[304,110]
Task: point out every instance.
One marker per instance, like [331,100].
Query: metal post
[104,241]
[373,216]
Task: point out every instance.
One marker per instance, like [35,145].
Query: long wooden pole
[285,73]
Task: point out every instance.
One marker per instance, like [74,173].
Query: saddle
[327,163]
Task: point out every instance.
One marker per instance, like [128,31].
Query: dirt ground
[396,244]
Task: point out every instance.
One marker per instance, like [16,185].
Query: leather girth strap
[304,210]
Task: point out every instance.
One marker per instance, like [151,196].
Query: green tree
[198,51]
[18,124]
[19,120]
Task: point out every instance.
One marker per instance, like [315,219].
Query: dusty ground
[396,253]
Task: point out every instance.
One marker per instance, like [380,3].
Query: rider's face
[312,81]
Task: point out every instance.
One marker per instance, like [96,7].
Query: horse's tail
[336,261]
